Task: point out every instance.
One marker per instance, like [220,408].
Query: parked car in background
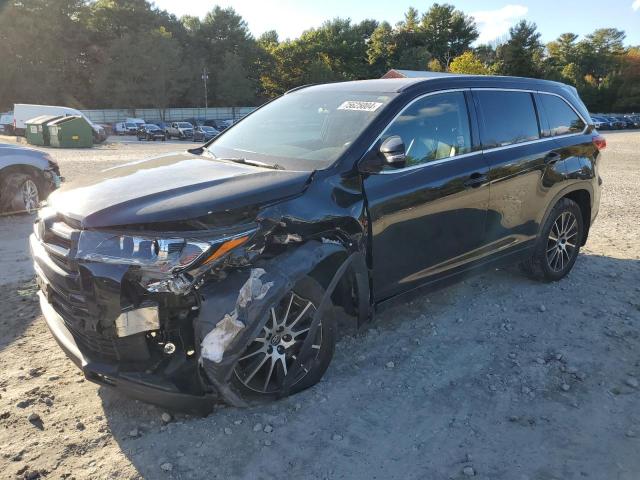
[162,125]
[149,131]
[27,176]
[132,128]
[138,122]
[119,128]
[635,119]
[23,112]
[181,130]
[204,133]
[219,125]
[196,122]
[615,123]
[628,123]
[600,123]
[6,123]
[108,129]
[228,272]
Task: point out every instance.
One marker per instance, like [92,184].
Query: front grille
[54,247]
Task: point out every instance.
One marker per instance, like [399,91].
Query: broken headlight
[167,264]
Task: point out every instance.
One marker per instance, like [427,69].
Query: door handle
[552,158]
[475,180]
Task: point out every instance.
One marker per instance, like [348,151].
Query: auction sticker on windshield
[360,106]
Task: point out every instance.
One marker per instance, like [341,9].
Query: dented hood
[172,188]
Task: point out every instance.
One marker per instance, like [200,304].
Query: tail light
[599,142]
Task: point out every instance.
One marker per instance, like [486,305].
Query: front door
[429,216]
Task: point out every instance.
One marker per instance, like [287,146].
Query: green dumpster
[36,130]
[72,131]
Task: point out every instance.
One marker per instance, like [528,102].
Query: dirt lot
[497,377]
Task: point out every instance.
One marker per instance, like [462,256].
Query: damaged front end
[165,317]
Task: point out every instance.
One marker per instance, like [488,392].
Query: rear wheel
[261,370]
[559,243]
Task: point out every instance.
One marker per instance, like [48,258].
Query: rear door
[428,217]
[524,171]
[573,141]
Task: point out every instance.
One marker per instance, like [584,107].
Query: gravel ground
[496,377]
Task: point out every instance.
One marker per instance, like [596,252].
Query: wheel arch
[583,198]
[24,169]
[582,194]
[352,292]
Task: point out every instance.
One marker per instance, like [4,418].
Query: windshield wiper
[254,163]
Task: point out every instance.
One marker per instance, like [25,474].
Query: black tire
[557,250]
[13,193]
[306,290]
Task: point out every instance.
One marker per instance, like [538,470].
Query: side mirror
[393,152]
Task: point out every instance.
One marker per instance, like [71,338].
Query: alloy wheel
[561,244]
[267,360]
[30,196]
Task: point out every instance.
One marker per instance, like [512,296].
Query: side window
[508,117]
[562,118]
[433,128]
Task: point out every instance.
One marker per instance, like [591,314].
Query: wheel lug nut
[269,349]
[287,338]
[280,329]
[280,349]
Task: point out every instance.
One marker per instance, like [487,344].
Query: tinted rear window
[509,117]
[562,118]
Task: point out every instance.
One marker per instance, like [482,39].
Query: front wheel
[559,243]
[261,370]
[20,192]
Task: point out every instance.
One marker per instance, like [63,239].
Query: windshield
[131,125]
[184,125]
[152,127]
[311,127]
[207,129]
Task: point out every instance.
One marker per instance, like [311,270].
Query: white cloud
[636,5]
[493,24]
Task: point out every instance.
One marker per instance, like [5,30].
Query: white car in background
[6,123]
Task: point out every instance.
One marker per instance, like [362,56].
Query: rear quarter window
[508,118]
[562,118]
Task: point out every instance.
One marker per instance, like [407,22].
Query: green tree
[146,71]
[628,94]
[434,65]
[468,63]
[522,54]
[234,86]
[411,20]
[32,50]
[381,49]
[448,32]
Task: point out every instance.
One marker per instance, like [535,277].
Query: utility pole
[205,77]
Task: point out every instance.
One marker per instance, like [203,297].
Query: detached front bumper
[146,387]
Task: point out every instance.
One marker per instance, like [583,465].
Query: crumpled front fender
[222,299]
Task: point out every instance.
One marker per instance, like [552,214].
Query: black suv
[149,132]
[227,272]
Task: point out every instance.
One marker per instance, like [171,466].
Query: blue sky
[290,17]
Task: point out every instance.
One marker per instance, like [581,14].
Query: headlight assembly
[166,263]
